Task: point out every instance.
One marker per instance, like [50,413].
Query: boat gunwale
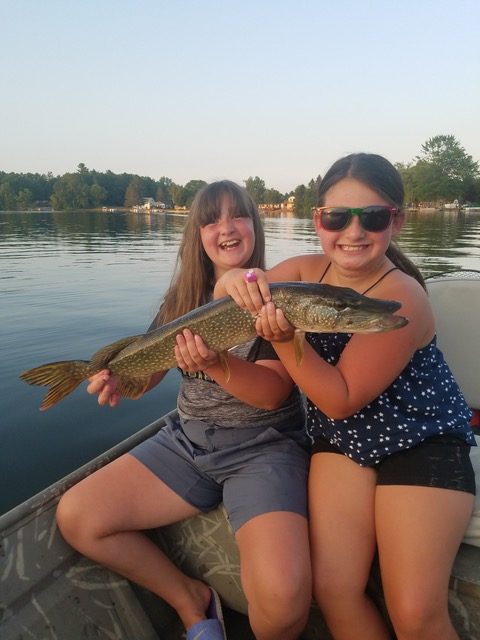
[14,517]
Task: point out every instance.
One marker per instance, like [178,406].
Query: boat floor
[48,590]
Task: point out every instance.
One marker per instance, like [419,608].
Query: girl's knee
[283,602]
[65,515]
[418,618]
[72,522]
[292,599]
[286,617]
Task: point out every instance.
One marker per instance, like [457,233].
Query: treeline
[442,172]
[90,189]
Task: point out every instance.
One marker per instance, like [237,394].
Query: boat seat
[455,299]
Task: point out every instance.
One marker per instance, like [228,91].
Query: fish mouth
[365,322]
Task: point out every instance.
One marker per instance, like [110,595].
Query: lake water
[73,282]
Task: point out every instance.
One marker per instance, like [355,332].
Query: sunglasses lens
[335,219]
[375,218]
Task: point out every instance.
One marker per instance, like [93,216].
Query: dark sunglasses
[372,218]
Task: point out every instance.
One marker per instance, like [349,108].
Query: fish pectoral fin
[223,357]
[298,345]
[61,378]
[132,388]
[102,357]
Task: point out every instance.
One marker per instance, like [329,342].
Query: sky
[210,89]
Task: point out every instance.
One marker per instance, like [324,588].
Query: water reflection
[73,282]
[442,241]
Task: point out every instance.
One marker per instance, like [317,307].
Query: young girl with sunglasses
[239,439]
[390,469]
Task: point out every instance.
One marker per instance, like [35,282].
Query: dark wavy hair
[380,175]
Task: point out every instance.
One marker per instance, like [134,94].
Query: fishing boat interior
[48,590]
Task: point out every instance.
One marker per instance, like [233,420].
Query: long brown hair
[193,278]
[380,175]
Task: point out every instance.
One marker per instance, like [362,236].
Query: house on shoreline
[148,205]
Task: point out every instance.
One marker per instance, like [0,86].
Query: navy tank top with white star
[423,401]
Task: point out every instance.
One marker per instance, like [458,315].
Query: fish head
[355,320]
[326,308]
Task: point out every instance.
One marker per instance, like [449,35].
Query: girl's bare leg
[103,517]
[419,530]
[342,538]
[275,573]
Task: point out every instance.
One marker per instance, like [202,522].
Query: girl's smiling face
[228,242]
[353,247]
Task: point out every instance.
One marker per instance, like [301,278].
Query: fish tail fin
[61,378]
[298,345]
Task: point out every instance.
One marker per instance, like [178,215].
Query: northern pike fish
[222,324]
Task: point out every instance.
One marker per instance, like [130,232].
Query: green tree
[82,169]
[405,170]
[299,206]
[256,188]
[97,195]
[115,186]
[179,197]
[149,187]
[134,192]
[422,181]
[24,199]
[472,190]
[164,191]
[452,161]
[190,190]
[272,196]
[70,192]
[444,170]
[306,198]
[8,201]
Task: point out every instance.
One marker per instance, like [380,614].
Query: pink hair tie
[250,276]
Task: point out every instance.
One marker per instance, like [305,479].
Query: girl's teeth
[346,247]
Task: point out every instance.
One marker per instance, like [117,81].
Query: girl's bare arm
[264,384]
[369,363]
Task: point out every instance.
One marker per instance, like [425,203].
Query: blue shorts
[263,473]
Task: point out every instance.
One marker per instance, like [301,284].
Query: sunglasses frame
[360,212]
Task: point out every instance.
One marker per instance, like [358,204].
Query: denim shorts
[440,461]
[265,472]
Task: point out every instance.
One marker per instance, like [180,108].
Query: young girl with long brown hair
[239,439]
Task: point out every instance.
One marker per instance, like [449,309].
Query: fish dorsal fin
[103,356]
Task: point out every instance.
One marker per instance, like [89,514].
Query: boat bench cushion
[204,546]
[456,306]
